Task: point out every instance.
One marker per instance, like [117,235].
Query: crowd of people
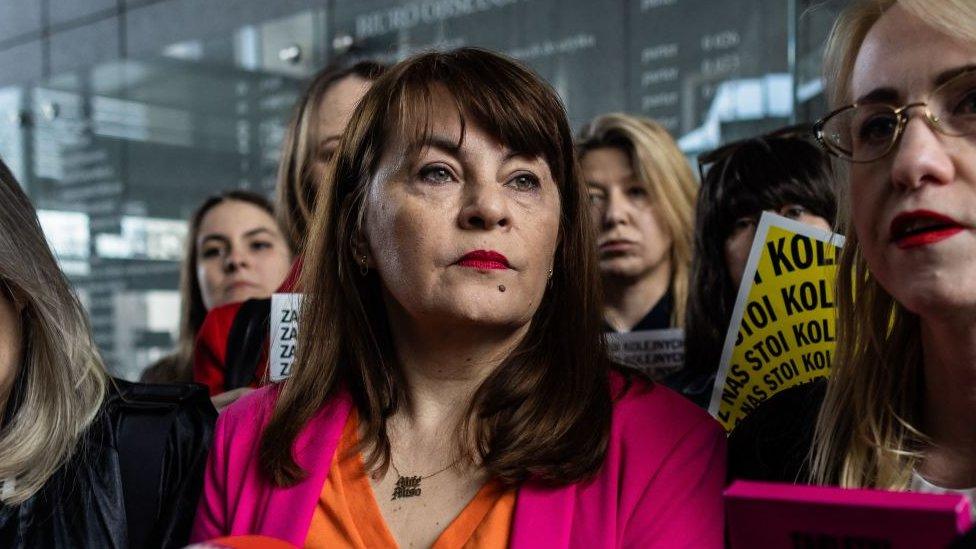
[463,256]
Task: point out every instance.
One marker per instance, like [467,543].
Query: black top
[134,480]
[695,385]
[658,318]
[246,342]
[773,442]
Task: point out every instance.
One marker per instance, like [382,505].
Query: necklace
[409,486]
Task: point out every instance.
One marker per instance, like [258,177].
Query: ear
[360,249]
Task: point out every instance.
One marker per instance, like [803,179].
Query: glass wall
[120,117]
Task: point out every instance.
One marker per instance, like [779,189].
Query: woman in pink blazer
[452,387]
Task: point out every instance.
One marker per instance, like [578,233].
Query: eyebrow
[945,76]
[218,237]
[443,143]
[879,95]
[257,231]
[224,240]
[891,95]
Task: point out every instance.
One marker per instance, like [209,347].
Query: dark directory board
[703,68]
[704,65]
[577,46]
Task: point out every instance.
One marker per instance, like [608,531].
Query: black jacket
[133,481]
[772,443]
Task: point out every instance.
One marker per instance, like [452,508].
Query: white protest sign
[655,352]
[283,339]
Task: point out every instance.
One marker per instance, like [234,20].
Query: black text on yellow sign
[783,329]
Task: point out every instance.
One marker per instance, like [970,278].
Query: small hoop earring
[363,266]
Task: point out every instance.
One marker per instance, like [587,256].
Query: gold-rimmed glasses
[867,131]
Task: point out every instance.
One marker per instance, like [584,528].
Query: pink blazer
[660,486]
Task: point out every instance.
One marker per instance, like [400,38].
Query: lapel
[543,516]
[286,513]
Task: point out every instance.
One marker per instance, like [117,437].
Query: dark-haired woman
[789,175]
[310,142]
[235,250]
[452,386]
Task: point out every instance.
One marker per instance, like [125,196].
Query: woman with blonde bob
[642,201]
[898,410]
[452,387]
[85,461]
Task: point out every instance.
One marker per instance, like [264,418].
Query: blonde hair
[867,432]
[299,175]
[61,381]
[664,171]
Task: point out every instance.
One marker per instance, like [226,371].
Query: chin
[237,296]
[624,267]
[488,307]
[930,296]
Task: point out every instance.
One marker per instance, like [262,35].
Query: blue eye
[436,174]
[525,182]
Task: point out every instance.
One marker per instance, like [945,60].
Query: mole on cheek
[501,287]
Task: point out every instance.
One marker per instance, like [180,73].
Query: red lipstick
[921,228]
[484,260]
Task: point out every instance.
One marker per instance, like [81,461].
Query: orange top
[348,516]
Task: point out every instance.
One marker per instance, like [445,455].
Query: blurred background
[120,116]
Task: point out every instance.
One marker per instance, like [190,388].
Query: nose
[485,207]
[920,157]
[235,260]
[614,210]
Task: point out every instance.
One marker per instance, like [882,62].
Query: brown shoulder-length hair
[298,180]
[178,366]
[545,412]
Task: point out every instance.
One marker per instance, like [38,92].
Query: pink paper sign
[772,515]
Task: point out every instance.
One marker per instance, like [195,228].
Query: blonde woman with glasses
[899,409]
[85,460]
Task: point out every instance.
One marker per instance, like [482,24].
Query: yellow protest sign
[782,331]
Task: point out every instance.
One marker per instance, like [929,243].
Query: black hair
[742,179]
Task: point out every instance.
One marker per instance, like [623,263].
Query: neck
[444,365]
[949,410]
[628,300]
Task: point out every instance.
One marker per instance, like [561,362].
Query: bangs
[767,174]
[501,98]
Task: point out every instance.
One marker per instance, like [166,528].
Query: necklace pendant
[406,487]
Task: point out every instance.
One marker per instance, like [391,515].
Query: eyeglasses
[867,132]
